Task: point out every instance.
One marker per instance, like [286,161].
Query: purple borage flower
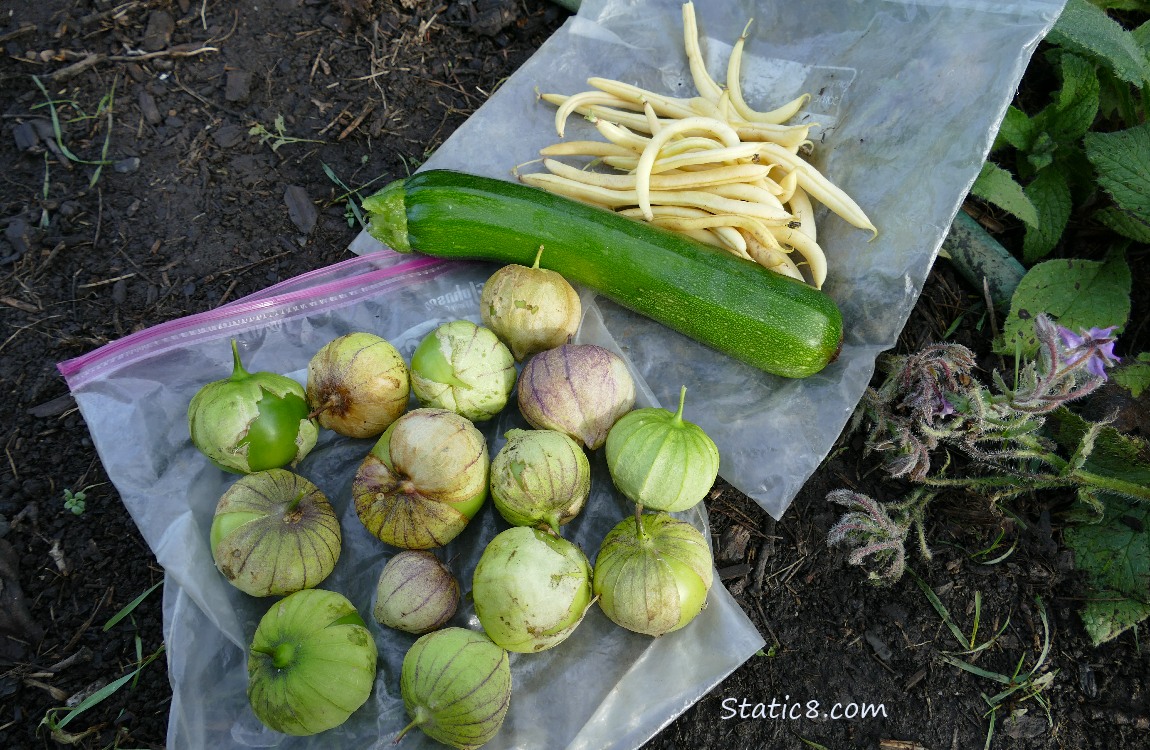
[1094,347]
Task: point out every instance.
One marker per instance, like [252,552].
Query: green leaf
[1050,194]
[127,610]
[1068,119]
[1078,293]
[1122,160]
[1115,554]
[1142,36]
[1111,615]
[1087,30]
[995,185]
[1041,154]
[1124,224]
[1134,377]
[1136,5]
[1115,454]
[1017,130]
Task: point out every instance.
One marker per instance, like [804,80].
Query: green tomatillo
[540,478]
[531,589]
[311,663]
[251,421]
[456,687]
[661,461]
[274,533]
[652,573]
[464,368]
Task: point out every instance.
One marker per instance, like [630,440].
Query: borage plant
[931,403]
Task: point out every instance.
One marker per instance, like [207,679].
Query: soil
[193,210]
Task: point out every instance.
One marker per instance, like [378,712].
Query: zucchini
[736,306]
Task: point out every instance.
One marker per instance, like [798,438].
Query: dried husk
[424,479]
[357,385]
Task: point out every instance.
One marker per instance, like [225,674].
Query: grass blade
[127,610]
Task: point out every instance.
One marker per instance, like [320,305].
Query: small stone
[300,208]
[25,136]
[127,166]
[229,135]
[158,33]
[17,235]
[119,292]
[881,650]
[149,109]
[238,86]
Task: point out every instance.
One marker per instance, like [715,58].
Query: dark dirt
[193,211]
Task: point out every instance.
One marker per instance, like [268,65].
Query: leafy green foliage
[1116,555]
[1064,152]
[75,501]
[1135,377]
[1123,163]
[996,185]
[1088,30]
[1079,293]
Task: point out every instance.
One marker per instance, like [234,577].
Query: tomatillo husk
[540,478]
[415,593]
[531,589]
[661,461]
[456,687]
[464,368]
[652,573]
[251,421]
[357,385]
[530,309]
[274,533]
[311,663]
[580,390]
[423,481]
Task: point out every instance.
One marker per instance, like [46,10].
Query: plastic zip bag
[907,97]
[140,386]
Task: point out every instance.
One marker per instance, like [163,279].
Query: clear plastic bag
[909,95]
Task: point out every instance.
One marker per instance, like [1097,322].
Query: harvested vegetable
[661,461]
[579,390]
[530,309]
[311,664]
[456,687]
[652,573]
[464,368]
[424,480]
[274,533]
[733,305]
[531,589]
[540,478]
[415,593]
[708,166]
[251,421]
[357,385]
